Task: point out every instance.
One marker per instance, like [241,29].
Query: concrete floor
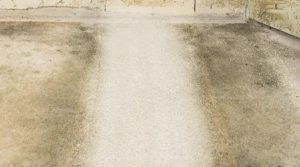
[150,94]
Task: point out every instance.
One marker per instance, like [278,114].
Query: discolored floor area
[249,83]
[43,70]
[148,94]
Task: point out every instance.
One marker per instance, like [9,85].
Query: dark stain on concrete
[241,80]
[44,111]
[12,29]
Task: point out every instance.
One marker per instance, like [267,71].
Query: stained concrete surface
[250,88]
[151,94]
[43,68]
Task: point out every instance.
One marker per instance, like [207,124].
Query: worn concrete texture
[151,94]
[281,14]
[43,70]
[250,87]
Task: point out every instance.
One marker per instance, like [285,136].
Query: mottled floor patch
[43,70]
[247,83]
[147,112]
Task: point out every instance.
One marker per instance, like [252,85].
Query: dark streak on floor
[244,79]
[41,93]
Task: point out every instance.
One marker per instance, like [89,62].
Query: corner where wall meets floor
[169,7]
[280,14]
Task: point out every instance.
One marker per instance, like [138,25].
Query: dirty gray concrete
[249,86]
[43,69]
[151,94]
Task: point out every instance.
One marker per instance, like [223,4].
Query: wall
[170,7]
[24,4]
[227,7]
[188,7]
[218,7]
[281,14]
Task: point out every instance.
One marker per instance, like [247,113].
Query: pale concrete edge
[63,14]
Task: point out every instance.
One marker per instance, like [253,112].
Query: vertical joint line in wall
[195,6]
[247,12]
[105,5]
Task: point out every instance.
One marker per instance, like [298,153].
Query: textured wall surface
[227,7]
[173,7]
[194,6]
[221,6]
[148,2]
[22,4]
[281,14]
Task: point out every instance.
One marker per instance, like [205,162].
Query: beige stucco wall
[171,7]
[24,4]
[281,14]
[190,7]
[221,6]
